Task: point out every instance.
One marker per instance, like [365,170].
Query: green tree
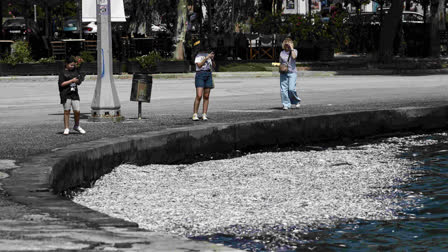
[222,15]
[143,13]
[140,15]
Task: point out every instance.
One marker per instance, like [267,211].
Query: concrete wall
[88,162]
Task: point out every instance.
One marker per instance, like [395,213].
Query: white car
[373,18]
[158,28]
[408,16]
[413,17]
[90,28]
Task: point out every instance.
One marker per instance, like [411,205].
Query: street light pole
[105,103]
[80,18]
[310,3]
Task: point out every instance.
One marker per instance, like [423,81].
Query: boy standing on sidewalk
[69,80]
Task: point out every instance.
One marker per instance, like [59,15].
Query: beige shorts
[71,104]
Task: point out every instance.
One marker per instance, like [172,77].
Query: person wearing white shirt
[288,91]
[204,63]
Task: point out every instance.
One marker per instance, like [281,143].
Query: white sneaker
[66,131]
[79,129]
[285,108]
[204,117]
[297,105]
[195,117]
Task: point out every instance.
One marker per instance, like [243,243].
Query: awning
[89,11]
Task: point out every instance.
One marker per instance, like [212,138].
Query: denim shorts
[71,104]
[204,79]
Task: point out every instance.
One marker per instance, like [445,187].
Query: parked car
[71,25]
[71,28]
[363,18]
[16,29]
[373,18]
[159,28]
[408,16]
[413,17]
[90,28]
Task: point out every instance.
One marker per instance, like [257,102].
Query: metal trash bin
[141,90]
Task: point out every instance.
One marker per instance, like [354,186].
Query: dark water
[424,228]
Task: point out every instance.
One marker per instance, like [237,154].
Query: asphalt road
[25,102]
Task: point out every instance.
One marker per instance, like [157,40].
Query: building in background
[296,6]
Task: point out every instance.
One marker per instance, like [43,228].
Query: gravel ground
[280,195]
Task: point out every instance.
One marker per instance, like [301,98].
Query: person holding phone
[204,63]
[288,93]
[69,80]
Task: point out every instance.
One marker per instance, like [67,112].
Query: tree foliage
[226,16]
[223,15]
[143,13]
[21,53]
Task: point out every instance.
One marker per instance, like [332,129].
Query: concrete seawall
[88,162]
[39,180]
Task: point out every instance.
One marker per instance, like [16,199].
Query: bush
[52,59]
[149,61]
[87,56]
[21,53]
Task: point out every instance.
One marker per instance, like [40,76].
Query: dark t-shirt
[69,91]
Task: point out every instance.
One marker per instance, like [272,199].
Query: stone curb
[302,73]
[37,180]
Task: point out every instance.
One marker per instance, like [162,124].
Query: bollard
[141,90]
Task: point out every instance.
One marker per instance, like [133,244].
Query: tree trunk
[408,5]
[276,6]
[209,16]
[181,30]
[1,19]
[279,5]
[437,25]
[389,30]
[26,7]
[266,6]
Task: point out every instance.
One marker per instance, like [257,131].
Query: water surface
[423,227]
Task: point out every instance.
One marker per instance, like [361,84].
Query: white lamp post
[105,103]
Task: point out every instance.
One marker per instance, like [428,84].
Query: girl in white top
[203,80]
[288,93]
